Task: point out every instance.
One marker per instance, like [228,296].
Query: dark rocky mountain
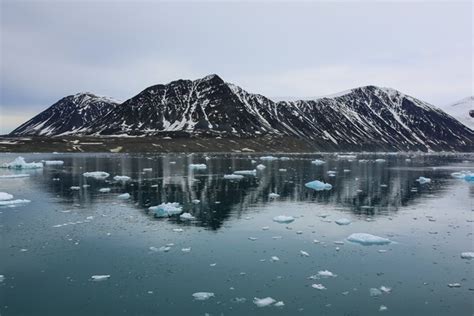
[365,118]
[72,115]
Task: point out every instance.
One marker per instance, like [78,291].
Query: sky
[51,49]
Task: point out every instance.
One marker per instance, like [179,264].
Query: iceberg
[5,196]
[318,185]
[246,172]
[187,217]
[273,195]
[20,163]
[53,162]
[233,176]
[260,167]
[467,255]
[469,177]
[14,176]
[166,209]
[263,302]
[343,221]
[98,278]
[283,219]
[124,196]
[202,296]
[122,178]
[318,162]
[423,180]
[199,166]
[13,202]
[368,239]
[99,175]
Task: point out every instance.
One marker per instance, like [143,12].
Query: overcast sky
[50,49]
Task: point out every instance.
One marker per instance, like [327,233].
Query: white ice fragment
[318,286]
[343,221]
[233,176]
[454,285]
[318,185]
[14,176]
[178,230]
[304,253]
[380,160]
[2,278]
[99,175]
[164,248]
[195,201]
[263,302]
[382,308]
[246,172]
[375,292]
[368,239]
[199,166]
[273,195]
[187,217]
[467,255]
[202,296]
[122,178]
[54,162]
[14,202]
[275,258]
[75,188]
[166,209]
[252,238]
[260,167]
[385,289]
[147,169]
[326,274]
[186,249]
[5,196]
[318,162]
[104,190]
[284,158]
[20,163]
[268,158]
[423,180]
[98,278]
[124,196]
[283,219]
[346,156]
[279,304]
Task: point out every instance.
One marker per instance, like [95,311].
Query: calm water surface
[47,266]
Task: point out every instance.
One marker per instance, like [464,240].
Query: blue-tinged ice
[318,185]
[166,209]
[20,163]
[368,239]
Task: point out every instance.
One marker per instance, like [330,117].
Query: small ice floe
[265,228]
[467,255]
[458,175]
[246,172]
[20,163]
[268,158]
[99,175]
[275,258]
[2,278]
[187,217]
[116,149]
[263,302]
[385,289]
[423,180]
[304,253]
[326,274]
[375,292]
[98,278]
[284,158]
[318,162]
[380,160]
[14,176]
[147,169]
[104,190]
[383,308]
[279,304]
[318,286]
[469,177]
[185,249]
[346,170]
[454,285]
[178,230]
[343,221]
[122,178]
[252,238]
[196,201]
[233,176]
[283,219]
[53,162]
[368,239]
[198,166]
[163,248]
[166,209]
[346,157]
[318,185]
[331,173]
[260,167]
[273,195]
[14,202]
[124,196]
[75,188]
[202,296]
[5,196]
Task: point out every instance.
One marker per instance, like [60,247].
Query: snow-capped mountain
[71,115]
[365,118]
[462,110]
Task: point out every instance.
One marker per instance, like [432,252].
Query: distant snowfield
[460,111]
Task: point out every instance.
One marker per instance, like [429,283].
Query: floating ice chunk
[164,248]
[380,160]
[304,253]
[268,158]
[187,217]
[20,163]
[382,308]
[166,209]
[5,196]
[279,304]
[385,289]
[318,185]
[282,170]
[253,238]
[196,201]
[54,162]
[75,188]
[104,190]
[13,202]
[147,169]
[98,278]
[423,180]
[326,274]
[318,286]
[14,176]
[124,196]
[318,162]
[458,175]
[343,221]
[2,278]
[260,167]
[202,296]
[263,302]
[283,219]
[375,292]
[454,285]
[467,255]
[275,258]
[199,166]
[346,156]
[368,239]
[233,176]
[122,178]
[99,175]
[284,158]
[273,195]
[186,249]
[469,177]
[246,172]
[178,230]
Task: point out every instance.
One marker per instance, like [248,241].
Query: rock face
[365,118]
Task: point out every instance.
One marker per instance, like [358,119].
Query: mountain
[462,110]
[71,115]
[364,118]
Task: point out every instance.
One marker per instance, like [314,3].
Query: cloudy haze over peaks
[50,49]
